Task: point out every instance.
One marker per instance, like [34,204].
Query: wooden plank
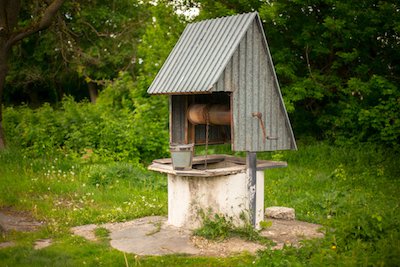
[197,173]
[270,165]
[261,164]
[196,160]
[165,166]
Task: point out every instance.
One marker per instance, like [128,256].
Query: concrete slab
[154,236]
[151,236]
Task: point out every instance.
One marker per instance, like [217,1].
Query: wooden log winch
[216,114]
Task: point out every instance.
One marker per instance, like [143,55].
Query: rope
[207,136]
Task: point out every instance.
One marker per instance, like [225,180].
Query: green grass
[351,191]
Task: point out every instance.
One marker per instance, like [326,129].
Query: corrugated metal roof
[201,55]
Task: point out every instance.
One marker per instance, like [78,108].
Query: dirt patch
[224,248]
[291,232]
[11,220]
[20,221]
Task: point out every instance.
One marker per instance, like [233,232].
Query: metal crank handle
[259,116]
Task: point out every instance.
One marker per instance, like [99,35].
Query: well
[222,188]
[222,89]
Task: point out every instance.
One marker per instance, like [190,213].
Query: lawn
[352,191]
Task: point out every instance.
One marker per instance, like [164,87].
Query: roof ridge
[227,16]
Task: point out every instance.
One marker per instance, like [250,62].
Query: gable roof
[201,55]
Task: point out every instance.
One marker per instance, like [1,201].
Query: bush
[91,132]
[366,111]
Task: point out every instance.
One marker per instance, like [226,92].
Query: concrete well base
[222,194]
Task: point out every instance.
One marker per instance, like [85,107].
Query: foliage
[336,62]
[127,124]
[90,44]
[371,116]
[160,36]
[102,234]
[215,227]
[88,132]
[220,227]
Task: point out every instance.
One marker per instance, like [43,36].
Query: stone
[282,213]
[7,244]
[42,243]
[86,231]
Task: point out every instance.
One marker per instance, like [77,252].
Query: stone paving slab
[151,236]
[154,236]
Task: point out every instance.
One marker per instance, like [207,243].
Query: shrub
[90,132]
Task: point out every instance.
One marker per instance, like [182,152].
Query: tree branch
[48,15]
[95,31]
[308,62]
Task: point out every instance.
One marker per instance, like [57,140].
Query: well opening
[217,165]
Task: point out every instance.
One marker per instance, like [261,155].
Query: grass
[351,191]
[220,227]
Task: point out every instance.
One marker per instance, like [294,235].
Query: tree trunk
[3,74]
[93,93]
[9,11]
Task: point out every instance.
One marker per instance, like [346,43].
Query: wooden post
[251,163]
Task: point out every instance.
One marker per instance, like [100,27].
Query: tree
[102,36]
[337,63]
[10,34]
[87,45]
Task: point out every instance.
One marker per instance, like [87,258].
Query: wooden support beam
[251,163]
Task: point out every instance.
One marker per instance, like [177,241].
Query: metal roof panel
[201,55]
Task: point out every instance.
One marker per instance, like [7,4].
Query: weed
[220,227]
[157,228]
[214,227]
[102,233]
[265,224]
